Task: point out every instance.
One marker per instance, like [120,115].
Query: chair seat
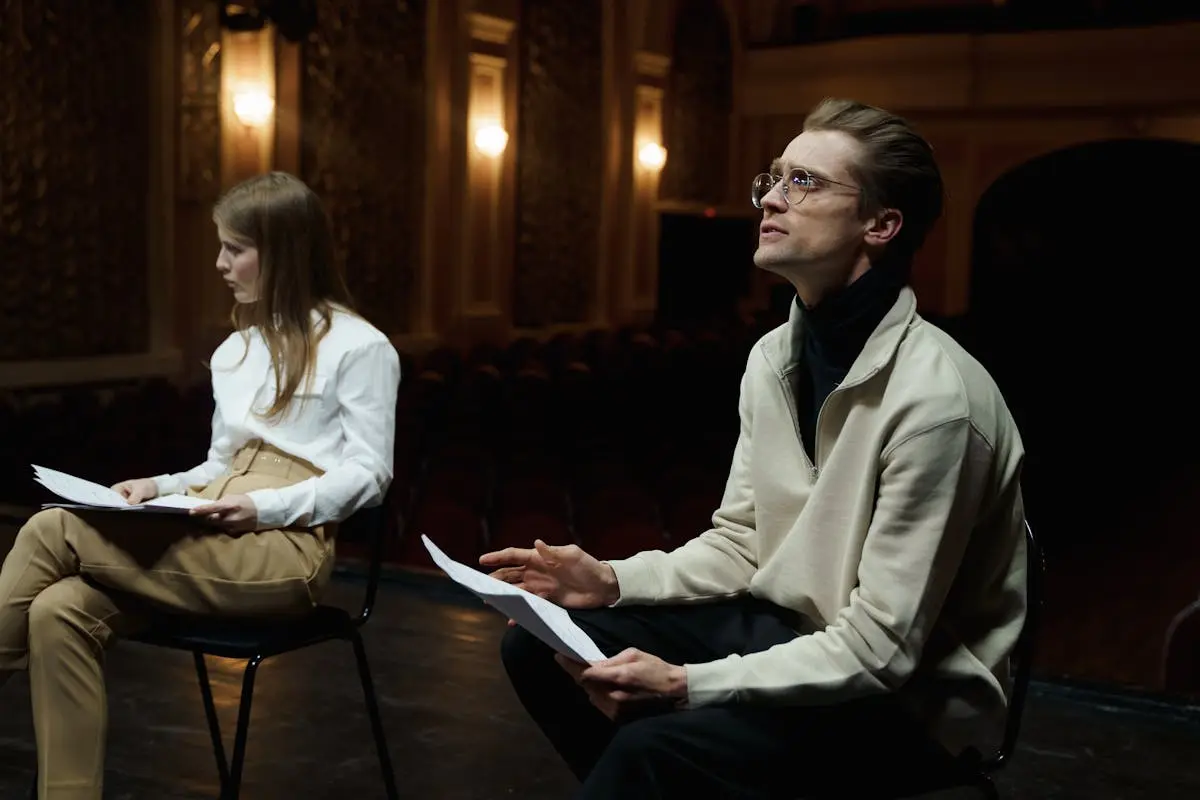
[246,638]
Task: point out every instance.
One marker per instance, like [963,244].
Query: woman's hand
[235,512]
[137,490]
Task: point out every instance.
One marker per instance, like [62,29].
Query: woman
[302,437]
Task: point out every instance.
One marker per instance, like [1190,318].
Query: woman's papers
[87,496]
[545,620]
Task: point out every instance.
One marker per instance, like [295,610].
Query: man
[863,585]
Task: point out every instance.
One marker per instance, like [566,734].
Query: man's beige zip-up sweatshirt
[903,543]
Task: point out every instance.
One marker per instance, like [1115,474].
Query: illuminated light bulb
[253,107]
[652,155]
[491,140]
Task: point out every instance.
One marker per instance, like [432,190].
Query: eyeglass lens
[795,186]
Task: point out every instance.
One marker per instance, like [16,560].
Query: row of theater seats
[103,433]
[616,440]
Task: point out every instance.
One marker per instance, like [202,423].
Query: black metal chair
[974,770]
[257,640]
[1181,652]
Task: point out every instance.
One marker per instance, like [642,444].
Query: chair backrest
[1181,652]
[1022,659]
[369,525]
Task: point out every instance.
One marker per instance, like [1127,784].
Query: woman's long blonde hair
[284,220]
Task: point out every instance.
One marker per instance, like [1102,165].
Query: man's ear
[884,226]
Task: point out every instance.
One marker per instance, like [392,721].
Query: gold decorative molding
[1142,67]
[484,219]
[480,224]
[649,111]
[651,65]
[486,28]
[482,63]
[484,238]
[642,279]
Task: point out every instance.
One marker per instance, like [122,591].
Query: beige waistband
[258,456]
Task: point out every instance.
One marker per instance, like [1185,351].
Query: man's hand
[565,575]
[137,490]
[631,677]
[235,512]
[597,694]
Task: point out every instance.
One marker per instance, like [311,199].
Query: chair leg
[234,787]
[210,713]
[385,759]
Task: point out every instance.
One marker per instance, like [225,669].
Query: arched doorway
[1084,306]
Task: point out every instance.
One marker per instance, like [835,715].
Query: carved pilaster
[485,239]
[651,70]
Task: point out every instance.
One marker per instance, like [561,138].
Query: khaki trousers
[75,581]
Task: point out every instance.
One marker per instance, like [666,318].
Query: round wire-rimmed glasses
[795,186]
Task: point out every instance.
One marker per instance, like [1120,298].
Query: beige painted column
[638,296]
[485,215]
[443,137]
[615,212]
[197,179]
[160,222]
[289,68]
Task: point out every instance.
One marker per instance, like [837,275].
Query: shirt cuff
[168,484]
[712,682]
[270,508]
[636,581]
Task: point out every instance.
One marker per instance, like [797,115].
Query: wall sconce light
[491,139]
[253,107]
[652,155]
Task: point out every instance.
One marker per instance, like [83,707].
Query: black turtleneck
[834,332]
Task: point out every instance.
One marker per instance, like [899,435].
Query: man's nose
[775,199]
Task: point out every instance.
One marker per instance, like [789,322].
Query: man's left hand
[235,512]
[629,677]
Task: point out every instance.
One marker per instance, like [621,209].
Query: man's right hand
[138,490]
[563,574]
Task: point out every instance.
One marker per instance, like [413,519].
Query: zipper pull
[815,472]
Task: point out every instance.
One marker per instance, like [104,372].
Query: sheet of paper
[545,620]
[181,502]
[77,490]
[82,494]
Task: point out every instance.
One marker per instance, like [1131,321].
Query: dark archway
[1084,306]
